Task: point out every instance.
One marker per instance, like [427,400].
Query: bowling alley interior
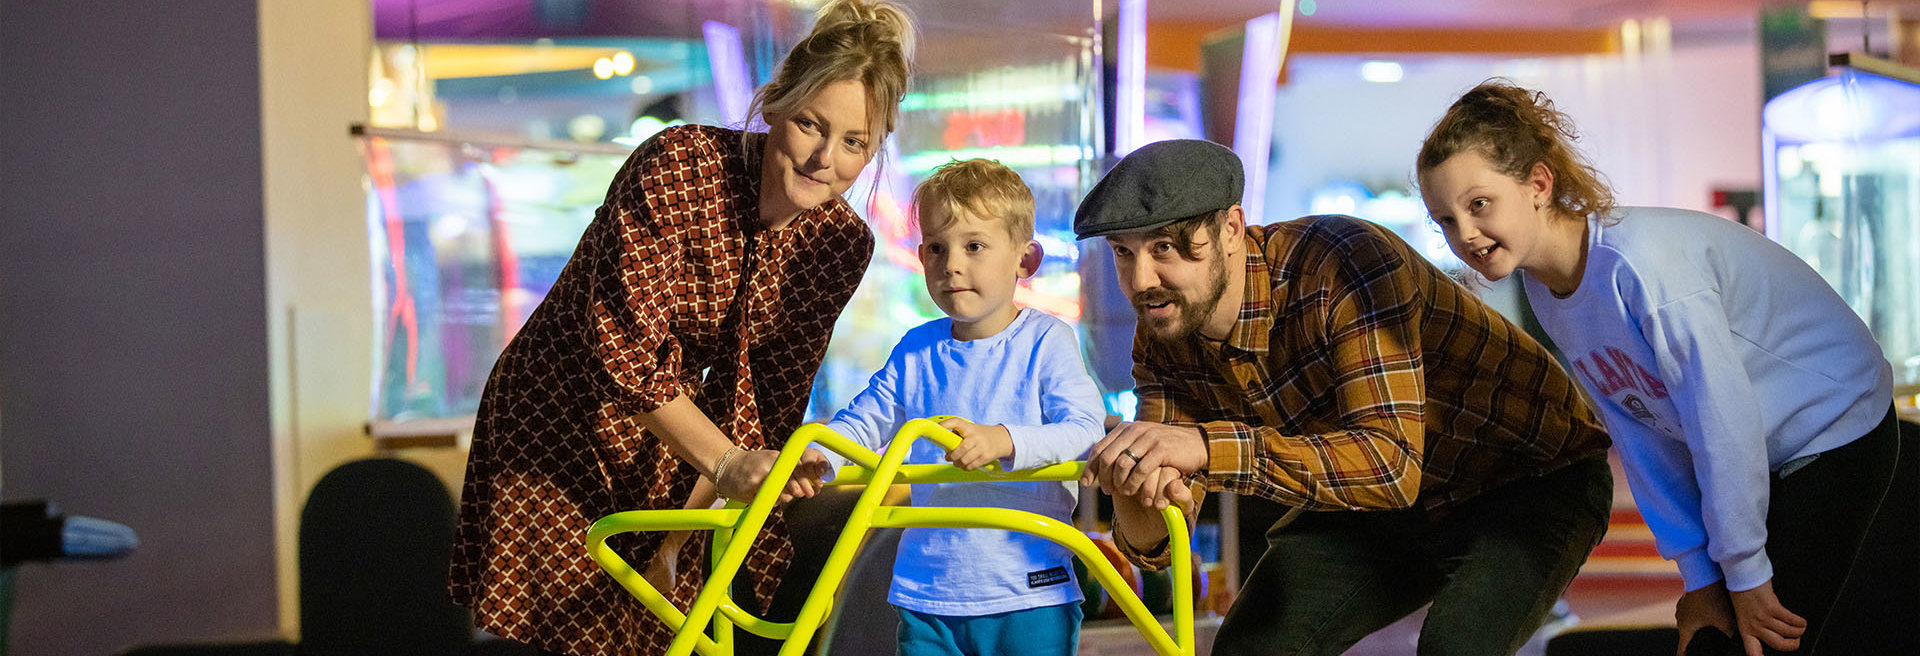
[279,282]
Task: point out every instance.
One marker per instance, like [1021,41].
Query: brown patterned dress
[674,289]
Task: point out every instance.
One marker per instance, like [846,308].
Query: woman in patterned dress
[679,342]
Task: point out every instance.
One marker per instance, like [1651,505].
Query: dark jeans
[1843,533]
[1492,567]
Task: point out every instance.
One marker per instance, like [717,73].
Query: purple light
[1130,89]
[729,63]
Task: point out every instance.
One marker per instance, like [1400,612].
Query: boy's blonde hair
[981,187]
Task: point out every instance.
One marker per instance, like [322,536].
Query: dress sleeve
[638,254]
[828,268]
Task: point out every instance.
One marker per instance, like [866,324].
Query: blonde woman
[676,351]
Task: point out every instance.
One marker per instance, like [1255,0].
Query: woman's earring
[1537,205]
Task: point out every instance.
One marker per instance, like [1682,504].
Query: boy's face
[972,265]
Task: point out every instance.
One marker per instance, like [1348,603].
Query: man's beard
[1192,315]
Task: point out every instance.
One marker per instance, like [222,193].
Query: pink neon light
[729,64]
[1130,88]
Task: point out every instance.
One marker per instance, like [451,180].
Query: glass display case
[466,238]
[473,210]
[1842,190]
[1022,95]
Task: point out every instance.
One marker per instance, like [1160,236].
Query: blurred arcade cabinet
[1842,190]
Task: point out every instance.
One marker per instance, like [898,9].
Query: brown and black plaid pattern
[1359,376]
[674,289]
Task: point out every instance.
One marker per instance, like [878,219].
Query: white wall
[314,58]
[187,322]
[1665,128]
[133,316]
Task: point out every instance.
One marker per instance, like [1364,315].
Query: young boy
[1017,375]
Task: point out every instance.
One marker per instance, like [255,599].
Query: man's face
[1172,294]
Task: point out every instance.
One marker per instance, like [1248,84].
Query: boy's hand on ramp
[979,443]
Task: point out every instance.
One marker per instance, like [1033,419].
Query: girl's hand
[979,443]
[1705,607]
[1763,620]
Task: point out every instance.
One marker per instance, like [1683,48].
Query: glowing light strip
[1253,124]
[1064,94]
[1130,89]
[1013,156]
[729,65]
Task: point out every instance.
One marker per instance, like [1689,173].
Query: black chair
[375,539]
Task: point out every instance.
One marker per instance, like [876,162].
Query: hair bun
[883,20]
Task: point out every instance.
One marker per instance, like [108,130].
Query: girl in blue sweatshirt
[1752,407]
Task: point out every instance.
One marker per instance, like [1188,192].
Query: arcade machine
[466,238]
[1841,157]
[1024,103]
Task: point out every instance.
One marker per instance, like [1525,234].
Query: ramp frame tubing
[715,606]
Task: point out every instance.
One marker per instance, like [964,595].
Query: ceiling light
[1381,71]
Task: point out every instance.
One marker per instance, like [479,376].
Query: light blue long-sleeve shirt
[1716,356]
[1029,377]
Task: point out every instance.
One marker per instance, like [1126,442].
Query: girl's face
[1493,222]
[815,153]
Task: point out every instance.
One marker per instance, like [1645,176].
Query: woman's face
[815,153]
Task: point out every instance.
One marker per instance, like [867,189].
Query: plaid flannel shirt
[1360,377]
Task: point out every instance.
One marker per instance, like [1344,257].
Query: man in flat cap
[1439,453]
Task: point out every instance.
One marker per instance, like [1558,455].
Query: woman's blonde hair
[866,40]
[983,188]
[1514,129]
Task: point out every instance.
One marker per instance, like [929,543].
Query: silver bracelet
[722,464]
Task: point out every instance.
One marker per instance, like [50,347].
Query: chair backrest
[375,539]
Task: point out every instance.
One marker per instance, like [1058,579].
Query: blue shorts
[1043,631]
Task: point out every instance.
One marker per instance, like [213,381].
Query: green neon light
[1017,157]
[977,99]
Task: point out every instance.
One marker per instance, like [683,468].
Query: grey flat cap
[1160,183]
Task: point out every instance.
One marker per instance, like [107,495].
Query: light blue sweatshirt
[1028,377]
[1716,357]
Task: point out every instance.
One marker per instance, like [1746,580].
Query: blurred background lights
[587,127]
[1381,71]
[381,91]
